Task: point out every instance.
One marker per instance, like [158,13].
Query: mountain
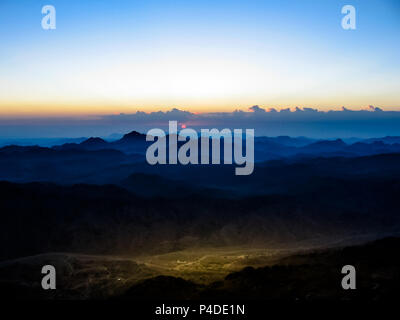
[133,135]
[387,140]
[307,277]
[96,161]
[266,148]
[64,166]
[324,146]
[85,205]
[151,185]
[133,142]
[111,219]
[94,144]
[130,143]
[287,141]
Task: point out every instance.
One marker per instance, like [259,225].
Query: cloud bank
[369,122]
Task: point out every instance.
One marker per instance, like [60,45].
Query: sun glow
[217,58]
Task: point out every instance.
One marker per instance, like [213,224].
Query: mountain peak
[93,141]
[337,142]
[133,135]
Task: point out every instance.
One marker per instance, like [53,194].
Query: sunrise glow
[127,56]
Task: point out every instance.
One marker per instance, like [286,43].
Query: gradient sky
[107,57]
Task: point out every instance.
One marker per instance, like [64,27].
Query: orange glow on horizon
[37,110]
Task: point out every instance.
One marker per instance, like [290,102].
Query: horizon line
[253,109]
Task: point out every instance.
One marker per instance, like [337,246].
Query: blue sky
[107,57]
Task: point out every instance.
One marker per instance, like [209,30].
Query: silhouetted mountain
[14,149]
[387,140]
[133,135]
[266,148]
[105,219]
[67,165]
[94,143]
[76,163]
[287,141]
[324,146]
[43,142]
[150,185]
[133,142]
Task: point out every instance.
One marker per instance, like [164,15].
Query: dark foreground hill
[307,277]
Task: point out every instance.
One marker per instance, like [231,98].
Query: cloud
[368,122]
[376,109]
[257,109]
[310,110]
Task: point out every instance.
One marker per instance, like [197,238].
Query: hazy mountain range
[198,222]
[119,162]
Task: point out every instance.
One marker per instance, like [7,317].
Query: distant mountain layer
[267,148]
[43,217]
[285,168]
[95,160]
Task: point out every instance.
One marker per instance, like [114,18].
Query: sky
[112,57]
